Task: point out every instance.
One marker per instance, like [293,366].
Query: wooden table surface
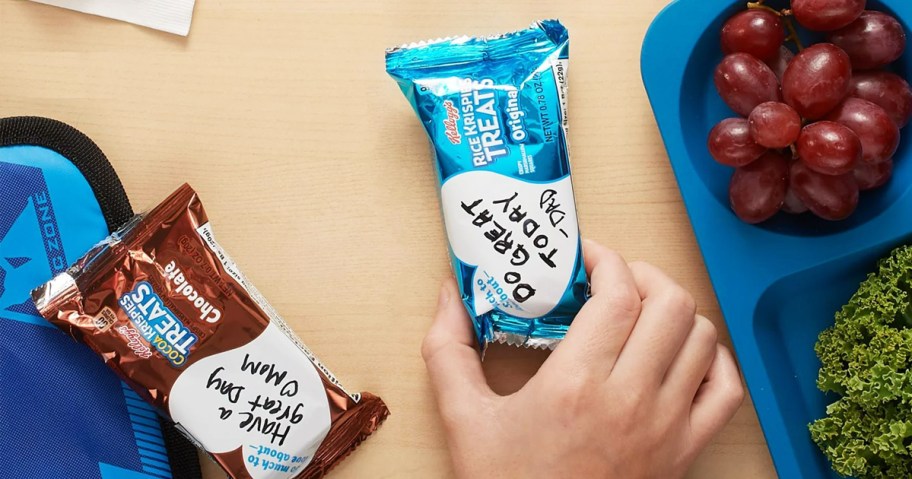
[317,177]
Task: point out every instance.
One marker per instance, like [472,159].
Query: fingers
[717,399]
[666,320]
[601,328]
[609,274]
[689,368]
[449,354]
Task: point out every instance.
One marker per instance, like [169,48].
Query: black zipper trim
[94,166]
[81,151]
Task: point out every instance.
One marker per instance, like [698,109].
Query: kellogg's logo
[451,123]
[157,324]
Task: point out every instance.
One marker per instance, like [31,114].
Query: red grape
[774,124]
[826,15]
[792,204]
[781,62]
[744,82]
[756,32]
[827,196]
[872,41]
[730,143]
[816,80]
[756,191]
[888,91]
[878,134]
[873,176]
[829,148]
[829,103]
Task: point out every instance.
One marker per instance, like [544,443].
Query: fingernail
[444,297]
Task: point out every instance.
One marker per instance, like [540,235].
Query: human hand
[636,389]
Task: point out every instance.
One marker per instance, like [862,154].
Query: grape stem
[793,33]
[759,4]
[785,14]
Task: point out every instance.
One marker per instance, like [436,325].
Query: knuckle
[607,252]
[622,299]
[708,334]
[733,388]
[639,265]
[735,393]
[430,345]
[678,299]
[605,259]
[627,426]
[632,400]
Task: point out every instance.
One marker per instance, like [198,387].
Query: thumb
[449,353]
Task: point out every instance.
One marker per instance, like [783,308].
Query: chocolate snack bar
[169,311]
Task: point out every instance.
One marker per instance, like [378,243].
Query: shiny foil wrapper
[168,310]
[495,111]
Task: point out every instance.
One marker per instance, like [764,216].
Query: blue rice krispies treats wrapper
[495,110]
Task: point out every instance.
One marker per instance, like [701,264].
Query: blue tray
[780,283]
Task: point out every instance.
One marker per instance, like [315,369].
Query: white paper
[172,16]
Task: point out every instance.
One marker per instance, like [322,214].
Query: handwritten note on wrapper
[244,385]
[495,110]
[479,204]
[172,314]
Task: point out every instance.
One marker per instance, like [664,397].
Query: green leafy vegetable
[866,357]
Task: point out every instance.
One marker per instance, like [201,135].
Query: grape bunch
[815,127]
